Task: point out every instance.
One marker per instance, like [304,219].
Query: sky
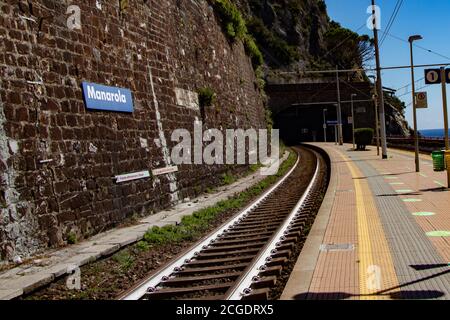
[430,19]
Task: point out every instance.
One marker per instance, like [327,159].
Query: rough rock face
[300,23]
[396,123]
[58,160]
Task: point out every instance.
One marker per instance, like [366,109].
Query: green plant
[261,82]
[228,179]
[255,167]
[253,51]
[142,246]
[206,97]
[124,258]
[72,238]
[363,137]
[235,28]
[231,18]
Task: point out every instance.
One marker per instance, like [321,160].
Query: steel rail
[150,283]
[243,286]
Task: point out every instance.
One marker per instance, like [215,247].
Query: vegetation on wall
[236,29]
[231,17]
[206,97]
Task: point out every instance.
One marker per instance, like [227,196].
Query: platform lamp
[416,136]
[325,124]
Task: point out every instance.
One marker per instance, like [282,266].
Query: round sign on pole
[432,76]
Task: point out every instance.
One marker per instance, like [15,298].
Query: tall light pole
[379,85]
[416,135]
[353,120]
[339,110]
[325,125]
[377,121]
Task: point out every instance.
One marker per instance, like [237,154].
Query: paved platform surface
[42,271]
[383,231]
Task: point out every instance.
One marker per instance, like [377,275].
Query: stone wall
[58,160]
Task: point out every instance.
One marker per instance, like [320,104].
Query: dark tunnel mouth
[305,123]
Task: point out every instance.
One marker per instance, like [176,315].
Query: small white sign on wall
[158,172]
[132,176]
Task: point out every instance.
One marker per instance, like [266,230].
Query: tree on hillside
[347,48]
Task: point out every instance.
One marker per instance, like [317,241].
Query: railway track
[246,256]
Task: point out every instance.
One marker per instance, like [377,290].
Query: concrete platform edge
[302,274]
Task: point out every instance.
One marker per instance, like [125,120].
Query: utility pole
[377,122]
[379,85]
[341,139]
[416,130]
[336,134]
[353,121]
[444,104]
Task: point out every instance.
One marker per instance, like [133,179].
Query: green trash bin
[438,160]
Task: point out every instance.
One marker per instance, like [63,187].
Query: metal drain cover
[337,247]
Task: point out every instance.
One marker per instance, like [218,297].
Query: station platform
[383,231]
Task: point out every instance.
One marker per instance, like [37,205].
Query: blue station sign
[100,97]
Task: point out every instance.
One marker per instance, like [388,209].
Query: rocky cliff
[290,32]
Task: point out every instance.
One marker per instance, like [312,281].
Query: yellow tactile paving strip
[376,267]
[361,273]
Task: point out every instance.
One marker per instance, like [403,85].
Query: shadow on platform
[383,175]
[398,295]
[402,295]
[415,193]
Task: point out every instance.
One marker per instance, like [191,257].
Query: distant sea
[433,133]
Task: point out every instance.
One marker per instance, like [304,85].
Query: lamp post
[325,124]
[377,122]
[339,110]
[416,136]
[353,120]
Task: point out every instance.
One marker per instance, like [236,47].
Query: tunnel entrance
[305,124]
[298,110]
